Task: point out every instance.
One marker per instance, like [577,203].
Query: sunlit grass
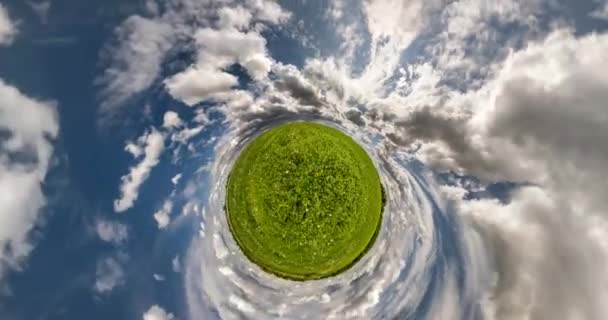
[304,201]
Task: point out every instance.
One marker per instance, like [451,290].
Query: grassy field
[304,201]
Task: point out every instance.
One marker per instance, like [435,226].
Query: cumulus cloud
[109,274]
[542,120]
[546,249]
[152,143]
[258,65]
[220,33]
[268,11]
[157,313]
[196,84]
[171,120]
[8,29]
[295,85]
[112,232]
[517,112]
[237,17]
[27,128]
[162,216]
[219,49]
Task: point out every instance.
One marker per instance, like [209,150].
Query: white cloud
[393,25]
[134,149]
[172,120]
[268,11]
[157,313]
[336,9]
[163,215]
[186,134]
[236,101]
[8,30]
[176,178]
[135,62]
[41,9]
[601,12]
[471,42]
[28,127]
[176,265]
[461,42]
[237,17]
[541,120]
[218,49]
[153,144]
[112,232]
[201,117]
[158,277]
[384,16]
[109,274]
[192,207]
[197,84]
[527,269]
[549,131]
[258,66]
[525,106]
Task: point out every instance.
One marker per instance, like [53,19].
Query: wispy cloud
[110,273]
[151,144]
[8,28]
[112,232]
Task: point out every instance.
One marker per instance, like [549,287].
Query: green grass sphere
[304,201]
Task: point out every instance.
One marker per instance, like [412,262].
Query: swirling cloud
[474,92]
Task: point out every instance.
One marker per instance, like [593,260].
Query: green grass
[304,201]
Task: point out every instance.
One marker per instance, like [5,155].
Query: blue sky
[58,59]
[119,120]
